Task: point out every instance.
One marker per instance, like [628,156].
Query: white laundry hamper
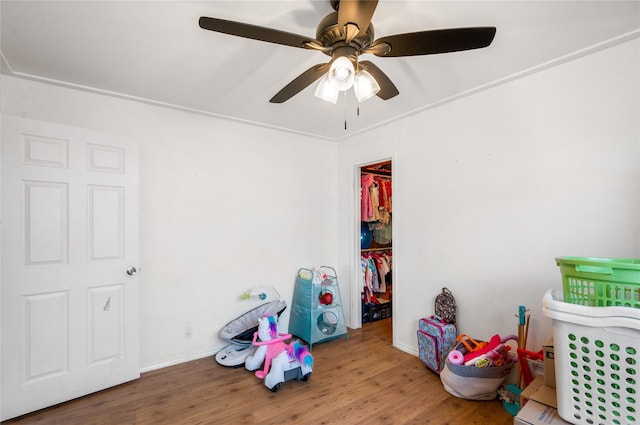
[597,362]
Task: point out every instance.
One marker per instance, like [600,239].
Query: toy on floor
[239,332]
[282,362]
[493,351]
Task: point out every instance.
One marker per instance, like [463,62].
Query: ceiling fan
[346,34]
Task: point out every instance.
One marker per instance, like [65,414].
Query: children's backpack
[445,306]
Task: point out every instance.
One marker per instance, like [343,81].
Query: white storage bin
[597,362]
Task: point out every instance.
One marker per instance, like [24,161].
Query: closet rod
[377,249]
[375,173]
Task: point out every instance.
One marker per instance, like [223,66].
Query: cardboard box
[531,389]
[535,413]
[545,395]
[539,392]
[549,364]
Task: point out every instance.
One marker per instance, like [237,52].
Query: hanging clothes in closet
[376,273]
[376,207]
[376,198]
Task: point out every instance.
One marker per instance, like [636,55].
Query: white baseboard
[407,349]
[180,360]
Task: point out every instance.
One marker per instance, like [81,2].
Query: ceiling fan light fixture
[341,74]
[326,91]
[365,86]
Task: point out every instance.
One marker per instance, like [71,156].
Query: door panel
[106,324]
[69,233]
[47,336]
[106,222]
[46,220]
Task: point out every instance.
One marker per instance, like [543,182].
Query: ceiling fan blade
[301,82]
[433,41]
[387,88]
[357,12]
[256,33]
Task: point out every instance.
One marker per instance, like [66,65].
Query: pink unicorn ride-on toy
[282,362]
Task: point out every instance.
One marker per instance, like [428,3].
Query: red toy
[492,346]
[326,298]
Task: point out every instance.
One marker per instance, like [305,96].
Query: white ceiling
[155,51]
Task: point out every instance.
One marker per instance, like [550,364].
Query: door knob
[131,271]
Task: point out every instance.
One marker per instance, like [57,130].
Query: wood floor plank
[362,380]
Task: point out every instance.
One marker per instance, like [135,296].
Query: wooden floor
[362,380]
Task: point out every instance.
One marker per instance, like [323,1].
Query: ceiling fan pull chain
[357,101]
[345,109]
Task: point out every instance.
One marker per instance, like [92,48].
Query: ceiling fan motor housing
[331,35]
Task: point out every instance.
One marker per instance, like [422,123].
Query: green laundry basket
[600,282]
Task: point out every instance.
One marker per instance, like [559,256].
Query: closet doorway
[376,249]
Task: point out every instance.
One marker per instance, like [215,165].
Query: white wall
[224,207]
[489,189]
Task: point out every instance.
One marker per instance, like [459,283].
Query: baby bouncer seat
[239,332]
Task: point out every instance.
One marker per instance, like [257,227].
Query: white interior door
[69,234]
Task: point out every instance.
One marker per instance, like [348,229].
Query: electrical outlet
[187,332]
